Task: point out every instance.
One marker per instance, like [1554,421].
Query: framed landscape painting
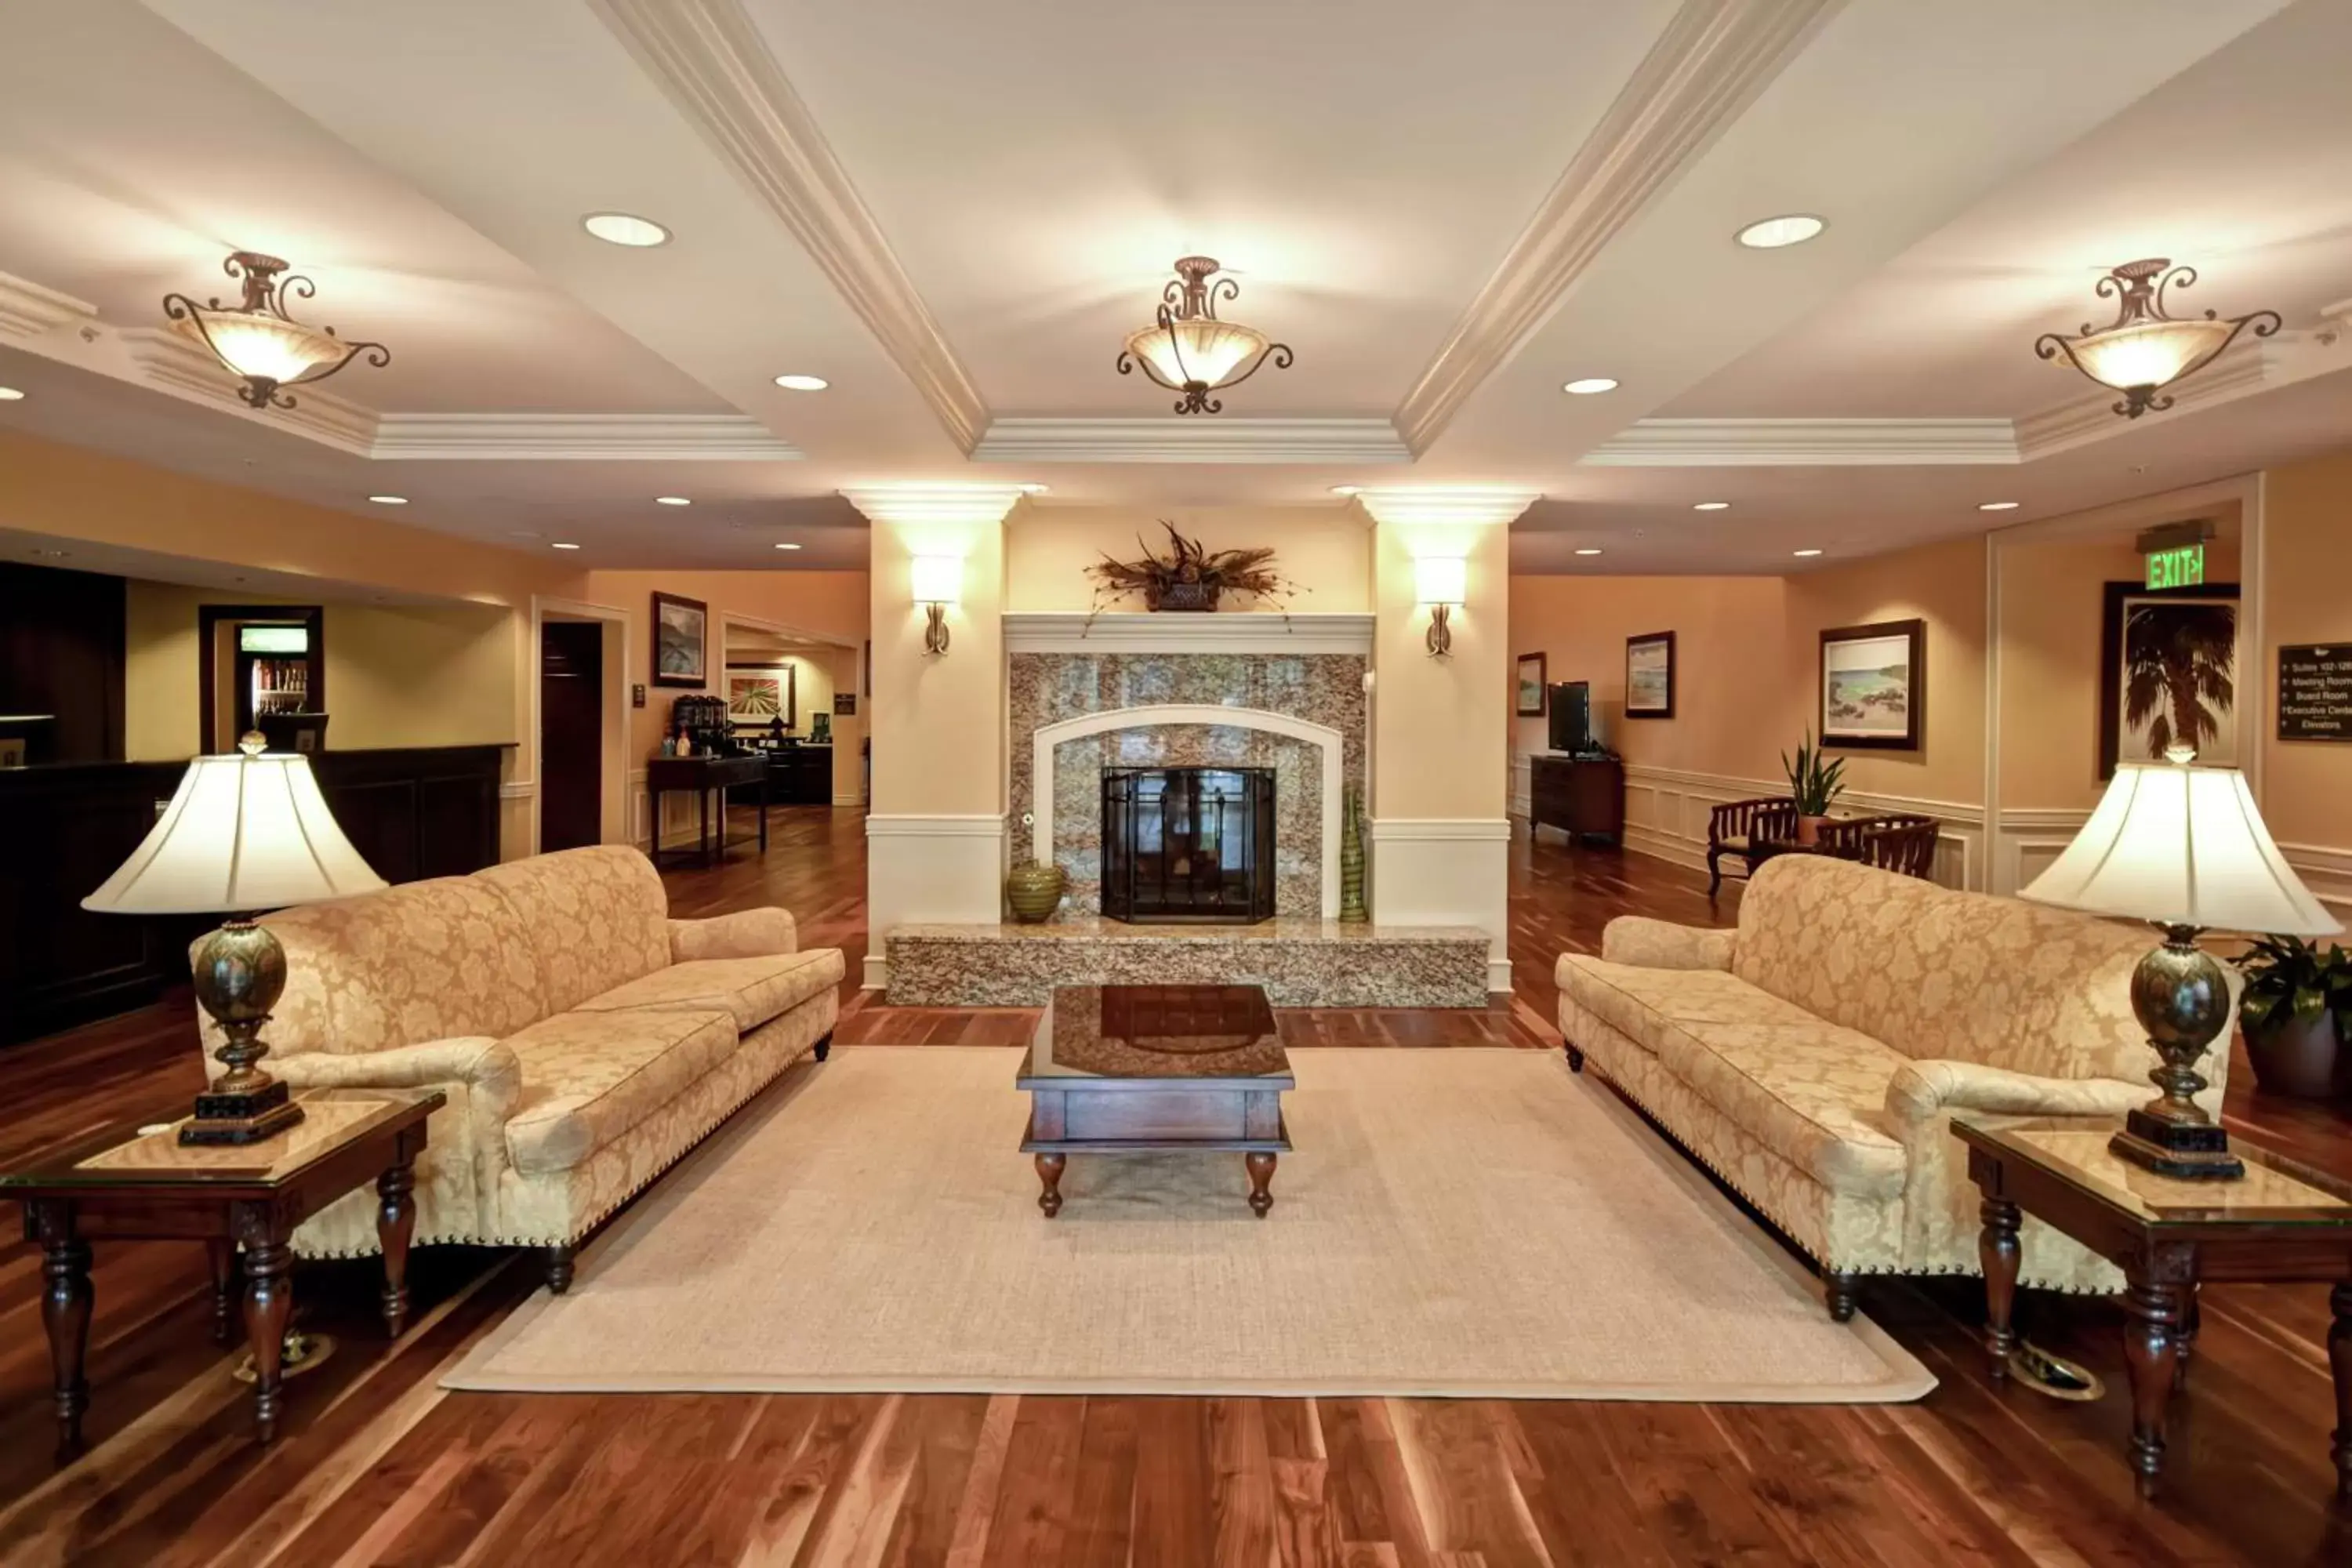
[681,641]
[1875,685]
[1528,686]
[2168,673]
[1650,676]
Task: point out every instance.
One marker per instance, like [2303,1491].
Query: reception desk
[412,812]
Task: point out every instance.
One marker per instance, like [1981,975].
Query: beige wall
[2307,564]
[396,675]
[1439,741]
[939,720]
[1326,551]
[1746,663]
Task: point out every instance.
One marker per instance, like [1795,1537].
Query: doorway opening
[571,734]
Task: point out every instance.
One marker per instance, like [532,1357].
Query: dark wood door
[571,734]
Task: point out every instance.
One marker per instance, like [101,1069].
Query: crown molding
[1806,443]
[1711,62]
[1229,632]
[926,505]
[2250,368]
[28,310]
[709,58]
[1172,440]
[1474,505]
[639,438]
[167,359]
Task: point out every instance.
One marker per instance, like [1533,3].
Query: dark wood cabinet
[411,813]
[801,775]
[1584,797]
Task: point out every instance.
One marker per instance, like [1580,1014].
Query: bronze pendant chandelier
[1188,349]
[257,342]
[2144,350]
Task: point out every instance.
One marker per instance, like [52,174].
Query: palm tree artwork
[2180,673]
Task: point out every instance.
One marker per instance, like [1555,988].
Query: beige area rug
[1474,1222]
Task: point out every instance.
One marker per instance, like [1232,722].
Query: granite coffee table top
[1105,1035]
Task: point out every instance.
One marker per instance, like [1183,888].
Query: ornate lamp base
[239,971]
[241,1116]
[2191,1151]
[2182,998]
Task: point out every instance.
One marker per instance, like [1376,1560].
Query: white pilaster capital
[1450,505]
[933,505]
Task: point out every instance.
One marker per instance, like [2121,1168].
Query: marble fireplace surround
[1327,740]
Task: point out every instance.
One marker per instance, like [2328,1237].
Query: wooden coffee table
[1118,1069]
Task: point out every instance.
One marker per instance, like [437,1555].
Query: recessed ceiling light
[10,395]
[1996,506]
[1804,552]
[672,500]
[389,500]
[562,544]
[1034,490]
[788,546]
[626,228]
[1589,550]
[1772,233]
[1586,385]
[1345,490]
[803,383]
[1710,505]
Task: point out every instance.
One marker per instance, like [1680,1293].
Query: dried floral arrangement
[1191,577]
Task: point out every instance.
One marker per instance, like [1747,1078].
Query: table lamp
[243,833]
[2184,849]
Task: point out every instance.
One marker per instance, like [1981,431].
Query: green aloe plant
[2290,980]
[1815,783]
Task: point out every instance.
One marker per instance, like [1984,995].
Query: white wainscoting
[1666,814]
[926,869]
[2328,872]
[2031,837]
[1446,871]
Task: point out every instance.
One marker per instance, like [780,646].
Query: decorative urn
[1034,891]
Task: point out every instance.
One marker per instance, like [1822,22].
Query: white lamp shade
[2154,353]
[242,834]
[2182,845]
[1197,349]
[1440,580]
[252,343]
[937,579]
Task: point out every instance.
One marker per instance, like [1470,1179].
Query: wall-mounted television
[1571,716]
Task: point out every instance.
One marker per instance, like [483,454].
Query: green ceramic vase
[1034,891]
[1351,858]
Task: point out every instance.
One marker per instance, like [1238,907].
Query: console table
[1584,797]
[702,777]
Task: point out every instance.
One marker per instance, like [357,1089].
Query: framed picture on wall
[757,696]
[681,641]
[1873,682]
[1529,687]
[1650,676]
[2168,673]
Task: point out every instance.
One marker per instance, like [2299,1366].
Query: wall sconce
[1441,582]
[938,583]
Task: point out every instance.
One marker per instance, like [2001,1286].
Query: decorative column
[934,827]
[1441,825]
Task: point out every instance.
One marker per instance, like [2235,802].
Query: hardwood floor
[377,1465]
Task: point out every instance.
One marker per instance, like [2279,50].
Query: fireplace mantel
[1246,632]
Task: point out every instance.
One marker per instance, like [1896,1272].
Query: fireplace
[1187,845]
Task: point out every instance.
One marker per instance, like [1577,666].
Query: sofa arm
[746,933]
[485,1065]
[1645,943]
[1919,1089]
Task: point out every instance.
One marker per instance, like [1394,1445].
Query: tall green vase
[1351,857]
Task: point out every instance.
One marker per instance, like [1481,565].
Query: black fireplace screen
[1188,844]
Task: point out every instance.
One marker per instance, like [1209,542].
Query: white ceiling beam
[1806,443]
[1166,440]
[1457,505]
[708,57]
[1710,63]
[931,505]
[579,437]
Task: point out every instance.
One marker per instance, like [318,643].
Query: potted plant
[1814,785]
[2297,1014]
[1191,577]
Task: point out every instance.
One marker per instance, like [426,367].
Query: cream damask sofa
[1814,1058]
[585,1040]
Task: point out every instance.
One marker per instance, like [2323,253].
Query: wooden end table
[2282,1222]
[1117,1069]
[136,1181]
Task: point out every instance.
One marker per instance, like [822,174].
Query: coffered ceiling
[954,212]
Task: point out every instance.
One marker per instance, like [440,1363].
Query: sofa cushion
[753,990]
[1810,1092]
[426,960]
[587,1078]
[591,919]
[1936,974]
[1644,1004]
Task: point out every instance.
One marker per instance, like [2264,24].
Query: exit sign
[2181,567]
